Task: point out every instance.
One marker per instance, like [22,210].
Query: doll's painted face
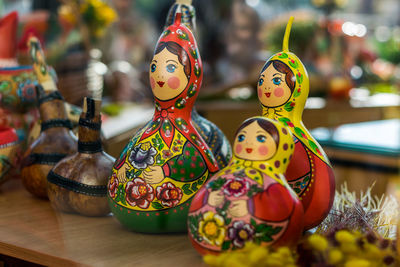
[254,143]
[272,89]
[167,75]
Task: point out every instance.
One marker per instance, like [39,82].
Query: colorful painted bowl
[9,146]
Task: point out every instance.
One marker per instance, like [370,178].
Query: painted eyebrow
[154,60]
[172,61]
[262,75]
[277,74]
[259,131]
[243,132]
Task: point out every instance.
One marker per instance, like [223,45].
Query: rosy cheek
[173,82]
[238,148]
[260,94]
[152,82]
[263,150]
[278,92]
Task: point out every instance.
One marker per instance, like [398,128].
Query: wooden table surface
[32,231]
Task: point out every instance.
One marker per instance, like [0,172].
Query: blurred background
[351,50]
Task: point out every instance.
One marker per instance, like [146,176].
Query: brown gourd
[78,183]
[56,140]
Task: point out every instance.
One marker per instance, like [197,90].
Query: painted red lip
[267,94]
[249,150]
[160,84]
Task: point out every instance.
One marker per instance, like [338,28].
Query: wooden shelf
[32,231]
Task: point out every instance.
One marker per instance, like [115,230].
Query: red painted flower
[139,193]
[179,142]
[292,104]
[113,185]
[166,154]
[290,124]
[236,187]
[169,194]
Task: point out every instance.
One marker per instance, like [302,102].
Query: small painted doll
[249,200]
[167,161]
[283,90]
[212,135]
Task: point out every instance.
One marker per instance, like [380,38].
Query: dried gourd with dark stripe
[55,142]
[78,183]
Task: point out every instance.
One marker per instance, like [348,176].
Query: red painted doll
[167,161]
[249,200]
[283,90]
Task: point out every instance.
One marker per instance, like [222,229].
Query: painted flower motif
[113,185]
[179,142]
[290,124]
[302,184]
[212,229]
[142,156]
[236,187]
[169,194]
[166,154]
[139,193]
[26,90]
[240,232]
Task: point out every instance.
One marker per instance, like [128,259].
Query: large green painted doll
[167,161]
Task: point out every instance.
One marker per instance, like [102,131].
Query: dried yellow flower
[318,242]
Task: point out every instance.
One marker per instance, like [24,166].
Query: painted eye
[153,67]
[277,80]
[241,138]
[171,68]
[261,81]
[261,138]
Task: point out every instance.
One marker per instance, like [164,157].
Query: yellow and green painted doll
[282,89]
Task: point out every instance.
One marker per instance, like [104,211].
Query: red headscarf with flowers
[175,114]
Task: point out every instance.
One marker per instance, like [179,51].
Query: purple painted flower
[236,187]
[240,232]
[142,156]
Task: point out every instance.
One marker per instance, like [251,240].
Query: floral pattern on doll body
[309,173]
[237,195]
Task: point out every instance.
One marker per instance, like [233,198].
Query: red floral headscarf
[175,114]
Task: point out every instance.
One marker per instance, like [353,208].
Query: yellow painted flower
[211,228]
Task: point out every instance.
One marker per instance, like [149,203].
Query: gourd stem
[285,46]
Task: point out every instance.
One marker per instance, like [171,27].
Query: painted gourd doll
[212,135]
[167,161]
[249,200]
[283,90]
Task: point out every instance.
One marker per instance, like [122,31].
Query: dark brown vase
[78,183]
[55,142]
